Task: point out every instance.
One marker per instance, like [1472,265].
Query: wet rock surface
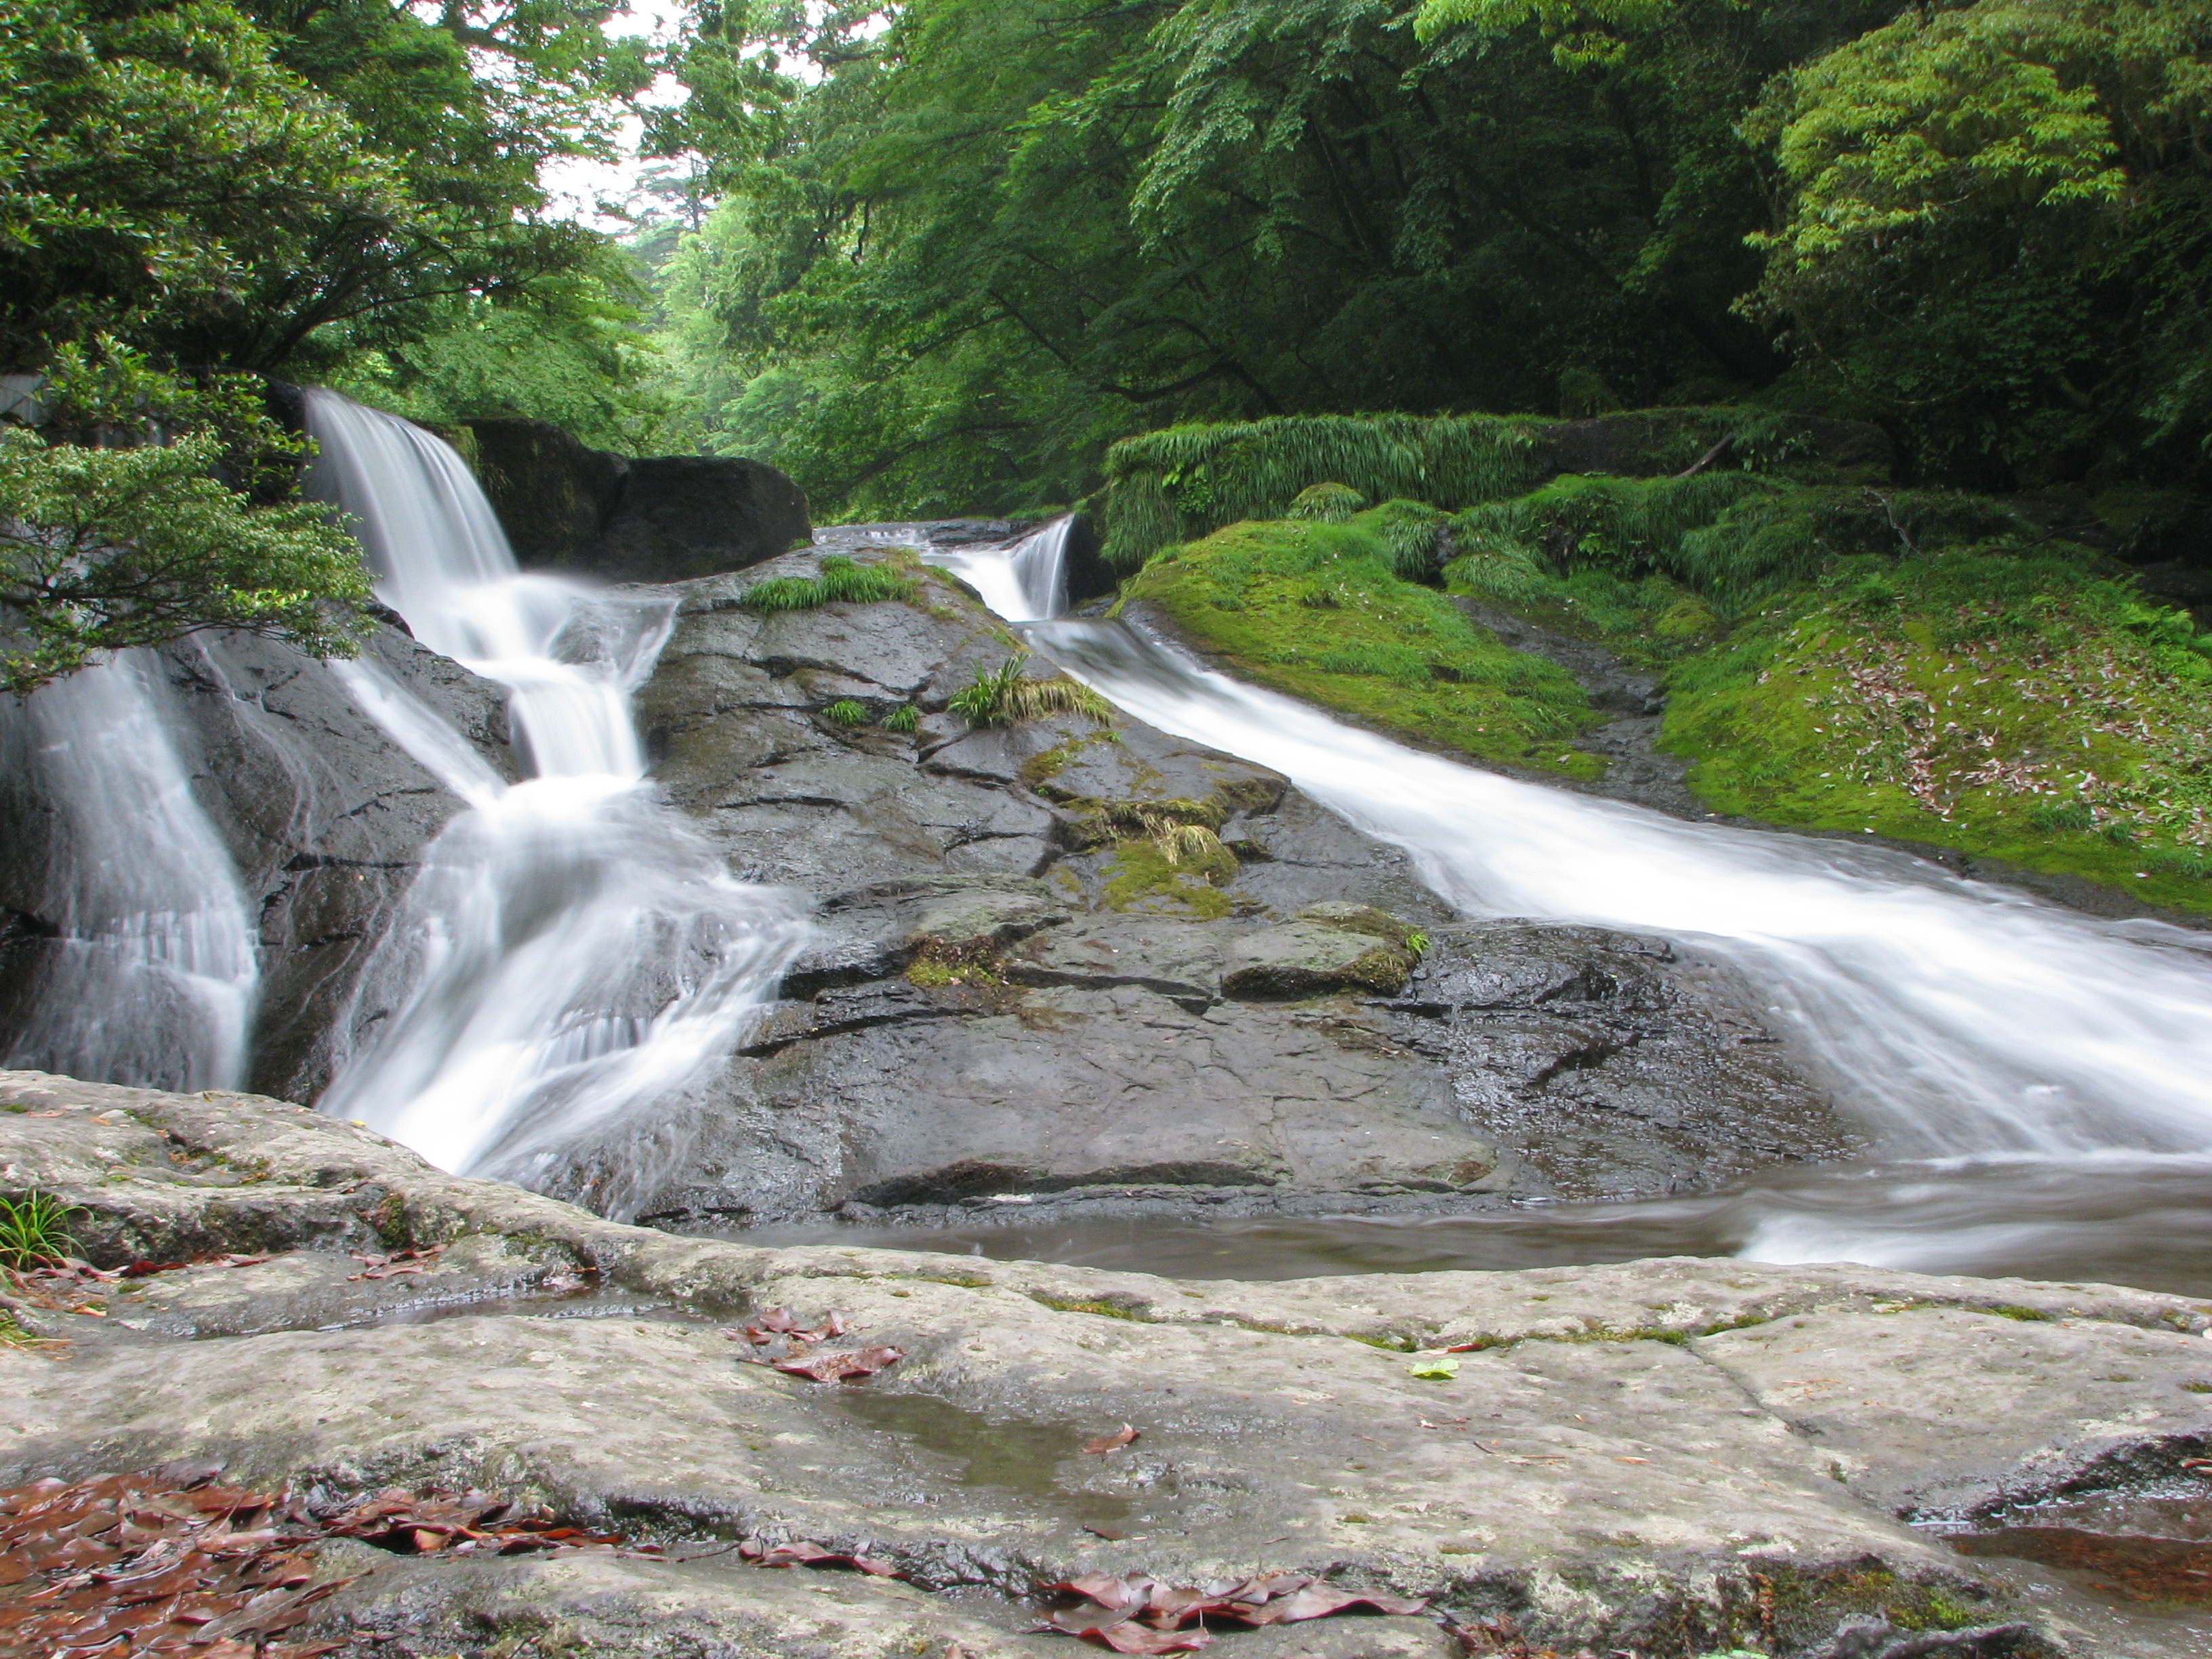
[1673,1458]
[1076,957]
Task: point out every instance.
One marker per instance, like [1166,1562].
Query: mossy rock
[1327,503]
[1361,919]
[1310,958]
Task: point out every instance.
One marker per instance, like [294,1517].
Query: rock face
[1087,965]
[1676,1458]
[569,507]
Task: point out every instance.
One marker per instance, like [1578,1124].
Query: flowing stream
[2038,1082]
[574,961]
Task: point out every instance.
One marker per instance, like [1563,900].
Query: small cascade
[571,955]
[151,977]
[1026,581]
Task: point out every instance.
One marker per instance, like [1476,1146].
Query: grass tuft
[846,711]
[1005,695]
[33,1232]
[842,581]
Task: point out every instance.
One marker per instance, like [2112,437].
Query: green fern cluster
[1004,695]
[842,581]
[1184,482]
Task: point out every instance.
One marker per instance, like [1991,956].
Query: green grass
[847,712]
[33,1232]
[842,581]
[1317,610]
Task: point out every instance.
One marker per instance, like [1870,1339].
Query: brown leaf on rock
[399,1262]
[1133,1637]
[800,1554]
[1112,1442]
[848,1365]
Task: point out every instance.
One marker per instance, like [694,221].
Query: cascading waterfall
[572,961]
[2036,1064]
[151,976]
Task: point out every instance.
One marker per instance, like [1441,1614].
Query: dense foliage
[992,237]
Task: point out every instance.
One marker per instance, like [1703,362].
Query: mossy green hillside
[2017,704]
[1315,610]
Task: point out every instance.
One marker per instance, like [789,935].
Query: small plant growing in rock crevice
[33,1232]
[1004,695]
[846,711]
[904,718]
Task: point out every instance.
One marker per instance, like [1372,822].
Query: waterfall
[1025,582]
[572,961]
[2018,1053]
[149,974]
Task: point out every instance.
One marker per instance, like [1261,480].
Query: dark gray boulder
[1103,966]
[567,506]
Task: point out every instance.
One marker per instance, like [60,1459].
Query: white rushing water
[152,977]
[574,961]
[2004,1043]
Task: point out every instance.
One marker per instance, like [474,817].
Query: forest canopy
[963,245]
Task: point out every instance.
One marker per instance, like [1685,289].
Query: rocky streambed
[1670,1458]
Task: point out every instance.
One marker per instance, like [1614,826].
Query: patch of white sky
[611,195]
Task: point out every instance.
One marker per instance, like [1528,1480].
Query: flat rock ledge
[1667,1458]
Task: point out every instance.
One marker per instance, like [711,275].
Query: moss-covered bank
[1315,610]
[1926,666]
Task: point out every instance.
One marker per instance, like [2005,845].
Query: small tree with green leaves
[111,537]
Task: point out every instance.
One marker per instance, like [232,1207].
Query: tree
[1999,231]
[111,538]
[1000,234]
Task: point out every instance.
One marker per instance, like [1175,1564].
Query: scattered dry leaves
[1112,1442]
[800,1553]
[1134,1613]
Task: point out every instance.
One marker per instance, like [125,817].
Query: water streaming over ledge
[574,961]
[151,977]
[2039,1082]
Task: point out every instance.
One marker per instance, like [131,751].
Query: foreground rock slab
[1676,1458]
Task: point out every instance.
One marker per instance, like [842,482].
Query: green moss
[1134,1312]
[1314,610]
[1141,874]
[2018,703]
[1326,503]
[2026,1316]
[936,963]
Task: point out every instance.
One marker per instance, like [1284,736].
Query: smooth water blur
[574,961]
[1024,581]
[2038,1082]
[152,978]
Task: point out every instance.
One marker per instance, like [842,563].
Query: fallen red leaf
[1112,1442]
[848,1364]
